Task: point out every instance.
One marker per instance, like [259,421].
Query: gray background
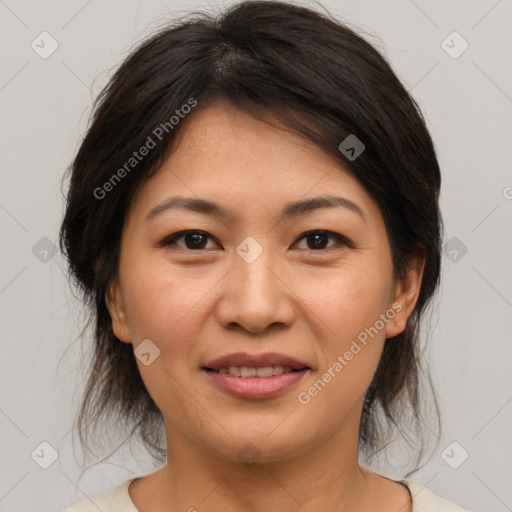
[45,104]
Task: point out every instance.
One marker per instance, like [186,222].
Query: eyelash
[170,240]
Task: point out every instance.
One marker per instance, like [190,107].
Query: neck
[198,479]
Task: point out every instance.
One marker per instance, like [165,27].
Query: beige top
[118,500]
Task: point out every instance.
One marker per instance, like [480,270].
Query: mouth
[255,371]
[242,364]
[255,376]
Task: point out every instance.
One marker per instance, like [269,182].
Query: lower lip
[256,387]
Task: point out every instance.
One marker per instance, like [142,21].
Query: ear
[406,295]
[115,306]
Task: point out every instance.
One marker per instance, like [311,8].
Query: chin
[258,446]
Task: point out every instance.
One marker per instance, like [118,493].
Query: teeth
[245,371]
[262,371]
[267,371]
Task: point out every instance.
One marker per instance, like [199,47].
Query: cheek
[157,301]
[348,300]
[351,334]
[349,349]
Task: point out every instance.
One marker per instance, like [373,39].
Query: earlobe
[115,307]
[406,296]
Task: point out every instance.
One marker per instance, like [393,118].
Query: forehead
[244,163]
[220,130]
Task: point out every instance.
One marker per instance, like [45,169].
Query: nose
[255,296]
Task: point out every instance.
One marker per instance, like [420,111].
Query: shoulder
[115,500]
[424,500]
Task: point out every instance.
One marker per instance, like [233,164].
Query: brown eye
[193,240]
[319,239]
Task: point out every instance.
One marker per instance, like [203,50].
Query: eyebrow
[290,210]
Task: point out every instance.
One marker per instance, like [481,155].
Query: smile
[255,383]
[261,371]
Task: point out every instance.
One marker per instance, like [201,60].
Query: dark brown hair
[321,80]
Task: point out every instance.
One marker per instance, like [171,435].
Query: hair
[321,80]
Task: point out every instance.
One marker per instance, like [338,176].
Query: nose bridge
[255,296]
[253,263]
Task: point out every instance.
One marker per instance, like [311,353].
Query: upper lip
[255,361]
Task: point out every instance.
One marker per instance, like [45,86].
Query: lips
[255,361]
[255,376]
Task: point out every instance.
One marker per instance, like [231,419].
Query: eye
[193,239]
[197,240]
[319,239]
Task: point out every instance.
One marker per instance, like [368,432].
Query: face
[256,277]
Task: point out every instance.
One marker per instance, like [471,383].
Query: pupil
[318,244]
[196,240]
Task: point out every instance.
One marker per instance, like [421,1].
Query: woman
[253,217]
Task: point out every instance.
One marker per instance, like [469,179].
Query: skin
[310,303]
